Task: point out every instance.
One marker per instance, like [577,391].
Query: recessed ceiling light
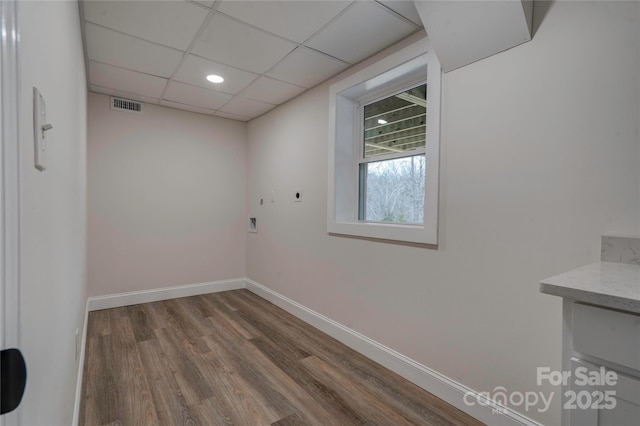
[215,78]
[381,121]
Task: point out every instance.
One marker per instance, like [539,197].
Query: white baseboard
[166,293]
[441,386]
[83,345]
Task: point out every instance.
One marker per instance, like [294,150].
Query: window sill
[391,232]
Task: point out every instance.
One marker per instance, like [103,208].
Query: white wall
[540,149]
[53,209]
[166,198]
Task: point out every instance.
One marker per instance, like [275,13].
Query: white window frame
[362,159]
[409,66]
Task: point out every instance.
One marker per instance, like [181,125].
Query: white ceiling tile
[232,116]
[266,89]
[230,42]
[185,107]
[196,96]
[195,70]
[294,20]
[121,94]
[125,80]
[134,46]
[306,67]
[171,23]
[246,107]
[124,51]
[361,31]
[404,8]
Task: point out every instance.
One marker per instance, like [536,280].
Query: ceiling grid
[267,51]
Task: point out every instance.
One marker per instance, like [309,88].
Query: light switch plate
[39,133]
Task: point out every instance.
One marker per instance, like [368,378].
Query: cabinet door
[627,410]
[574,394]
[606,334]
[591,405]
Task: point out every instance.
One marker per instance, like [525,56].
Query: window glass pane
[396,124]
[393,190]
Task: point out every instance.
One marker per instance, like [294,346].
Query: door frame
[9,185]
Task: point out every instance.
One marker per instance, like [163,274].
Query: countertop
[607,284]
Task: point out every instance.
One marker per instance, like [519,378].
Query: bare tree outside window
[395,190]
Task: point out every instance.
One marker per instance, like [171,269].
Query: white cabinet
[591,405]
[601,336]
[607,334]
[602,352]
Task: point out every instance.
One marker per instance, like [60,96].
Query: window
[384,149]
[392,166]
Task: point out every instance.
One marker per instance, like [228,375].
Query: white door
[9,187]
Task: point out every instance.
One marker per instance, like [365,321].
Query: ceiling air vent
[120,104]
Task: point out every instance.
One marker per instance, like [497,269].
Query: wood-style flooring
[232,358]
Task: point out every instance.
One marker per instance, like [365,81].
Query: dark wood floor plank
[171,407]
[179,352]
[272,379]
[140,323]
[292,420]
[405,397]
[331,402]
[269,325]
[217,305]
[116,389]
[224,299]
[198,305]
[118,312]
[99,398]
[236,353]
[233,358]
[372,409]
[155,314]
[208,412]
[125,350]
[247,330]
[182,319]
[359,368]
[393,388]
[136,402]
[288,343]
[99,323]
[265,376]
[233,400]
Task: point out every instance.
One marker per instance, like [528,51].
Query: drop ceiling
[268,52]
